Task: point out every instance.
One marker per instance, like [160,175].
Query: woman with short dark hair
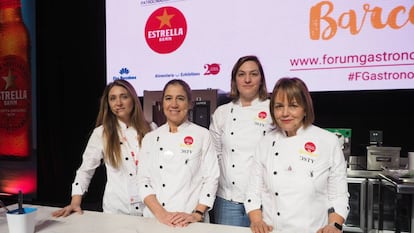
[298,181]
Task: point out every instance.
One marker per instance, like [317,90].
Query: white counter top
[98,222]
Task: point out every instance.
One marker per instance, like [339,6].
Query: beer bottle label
[15,95]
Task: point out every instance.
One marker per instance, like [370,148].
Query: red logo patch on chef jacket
[262,115]
[188,140]
[310,147]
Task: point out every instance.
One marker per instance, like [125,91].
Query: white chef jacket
[296,180]
[180,168]
[236,131]
[121,189]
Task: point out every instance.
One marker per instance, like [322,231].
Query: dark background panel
[71,77]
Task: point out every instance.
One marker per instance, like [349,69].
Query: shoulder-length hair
[294,89]
[234,92]
[109,121]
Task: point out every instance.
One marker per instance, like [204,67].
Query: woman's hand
[75,206]
[333,218]
[166,217]
[260,226]
[329,229]
[183,219]
[67,210]
[177,219]
[257,225]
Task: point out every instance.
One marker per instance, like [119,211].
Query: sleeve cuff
[145,190]
[250,204]
[77,189]
[342,211]
[207,199]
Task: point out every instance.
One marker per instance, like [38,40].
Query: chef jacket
[236,131]
[180,168]
[295,180]
[121,189]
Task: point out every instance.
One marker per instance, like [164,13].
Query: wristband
[199,213]
[336,225]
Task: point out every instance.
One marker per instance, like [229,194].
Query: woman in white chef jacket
[178,171]
[236,128]
[120,127]
[298,183]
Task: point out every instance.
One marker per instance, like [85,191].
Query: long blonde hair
[109,121]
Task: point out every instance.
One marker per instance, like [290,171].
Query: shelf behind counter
[367,204]
[363,174]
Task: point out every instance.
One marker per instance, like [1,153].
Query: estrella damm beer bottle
[15,81]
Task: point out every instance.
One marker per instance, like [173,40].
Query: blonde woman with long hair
[116,140]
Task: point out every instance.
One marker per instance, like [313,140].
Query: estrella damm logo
[165,30]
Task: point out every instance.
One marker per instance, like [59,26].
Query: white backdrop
[361,45]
